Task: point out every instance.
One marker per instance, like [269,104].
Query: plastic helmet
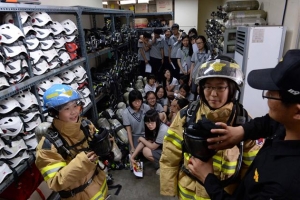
[40,67]
[59,42]
[11,125]
[8,19]
[35,121]
[1,141]
[12,51]
[50,54]
[42,33]
[221,67]
[55,80]
[8,104]
[67,76]
[4,170]
[64,57]
[15,66]
[70,38]
[73,55]
[16,145]
[79,72]
[31,142]
[24,17]
[71,47]
[26,99]
[121,105]
[57,28]
[18,158]
[3,83]
[47,43]
[87,101]
[75,86]
[28,135]
[40,19]
[54,63]
[32,43]
[43,86]
[49,119]
[18,78]
[58,95]
[83,79]
[36,55]
[29,116]
[69,26]
[28,30]
[10,33]
[85,92]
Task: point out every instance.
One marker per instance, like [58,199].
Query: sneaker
[158,172]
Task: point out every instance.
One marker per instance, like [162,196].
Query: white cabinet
[186,14]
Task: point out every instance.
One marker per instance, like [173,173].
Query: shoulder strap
[191,112]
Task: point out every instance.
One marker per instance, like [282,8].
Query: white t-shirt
[149,88]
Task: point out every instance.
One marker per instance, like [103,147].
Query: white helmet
[54,63]
[47,43]
[1,141]
[15,66]
[10,151]
[83,79]
[4,170]
[3,83]
[36,120]
[31,142]
[43,86]
[29,116]
[32,43]
[67,76]
[26,30]
[57,28]
[50,54]
[74,85]
[85,92]
[40,67]
[18,78]
[59,42]
[55,80]
[87,101]
[36,55]
[40,19]
[12,51]
[26,99]
[15,161]
[49,119]
[42,33]
[11,126]
[8,104]
[10,33]
[121,105]
[79,71]
[70,38]
[8,19]
[64,57]
[24,17]
[28,135]
[69,26]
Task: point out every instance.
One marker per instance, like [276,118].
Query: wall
[91,3]
[205,7]
[186,14]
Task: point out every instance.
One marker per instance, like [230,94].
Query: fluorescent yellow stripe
[50,170]
[174,138]
[101,195]
[188,195]
[248,157]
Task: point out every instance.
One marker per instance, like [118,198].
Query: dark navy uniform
[274,173]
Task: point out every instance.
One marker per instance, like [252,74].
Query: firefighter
[274,173]
[67,164]
[219,80]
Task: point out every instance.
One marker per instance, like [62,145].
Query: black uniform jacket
[274,173]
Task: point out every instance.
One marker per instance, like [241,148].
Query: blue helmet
[59,94]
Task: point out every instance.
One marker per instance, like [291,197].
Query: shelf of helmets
[17,140]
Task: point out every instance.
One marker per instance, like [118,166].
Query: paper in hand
[148,68]
[173,65]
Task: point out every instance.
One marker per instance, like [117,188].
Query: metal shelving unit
[154,14]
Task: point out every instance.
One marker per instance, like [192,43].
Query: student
[199,57]
[274,173]
[144,52]
[133,118]
[174,45]
[193,36]
[74,172]
[176,105]
[162,99]
[151,144]
[169,83]
[157,53]
[217,103]
[184,92]
[184,55]
[166,38]
[151,83]
[151,101]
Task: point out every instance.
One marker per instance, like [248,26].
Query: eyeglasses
[268,95]
[150,123]
[217,89]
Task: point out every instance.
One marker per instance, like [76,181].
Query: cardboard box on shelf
[141,8]
[140,22]
[127,7]
[113,5]
[152,8]
[164,5]
[171,22]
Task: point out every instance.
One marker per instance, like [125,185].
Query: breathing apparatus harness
[196,134]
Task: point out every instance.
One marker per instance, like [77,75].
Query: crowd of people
[190,124]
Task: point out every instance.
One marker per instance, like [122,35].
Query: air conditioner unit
[256,48]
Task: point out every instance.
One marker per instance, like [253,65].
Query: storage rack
[33,80]
[152,14]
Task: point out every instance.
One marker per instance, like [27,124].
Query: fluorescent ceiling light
[104,3]
[143,1]
[127,2]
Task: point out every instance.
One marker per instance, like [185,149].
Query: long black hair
[165,79]
[164,89]
[183,36]
[134,95]
[152,116]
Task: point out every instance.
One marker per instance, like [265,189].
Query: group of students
[253,169]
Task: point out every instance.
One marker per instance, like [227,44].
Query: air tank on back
[247,14]
[240,5]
